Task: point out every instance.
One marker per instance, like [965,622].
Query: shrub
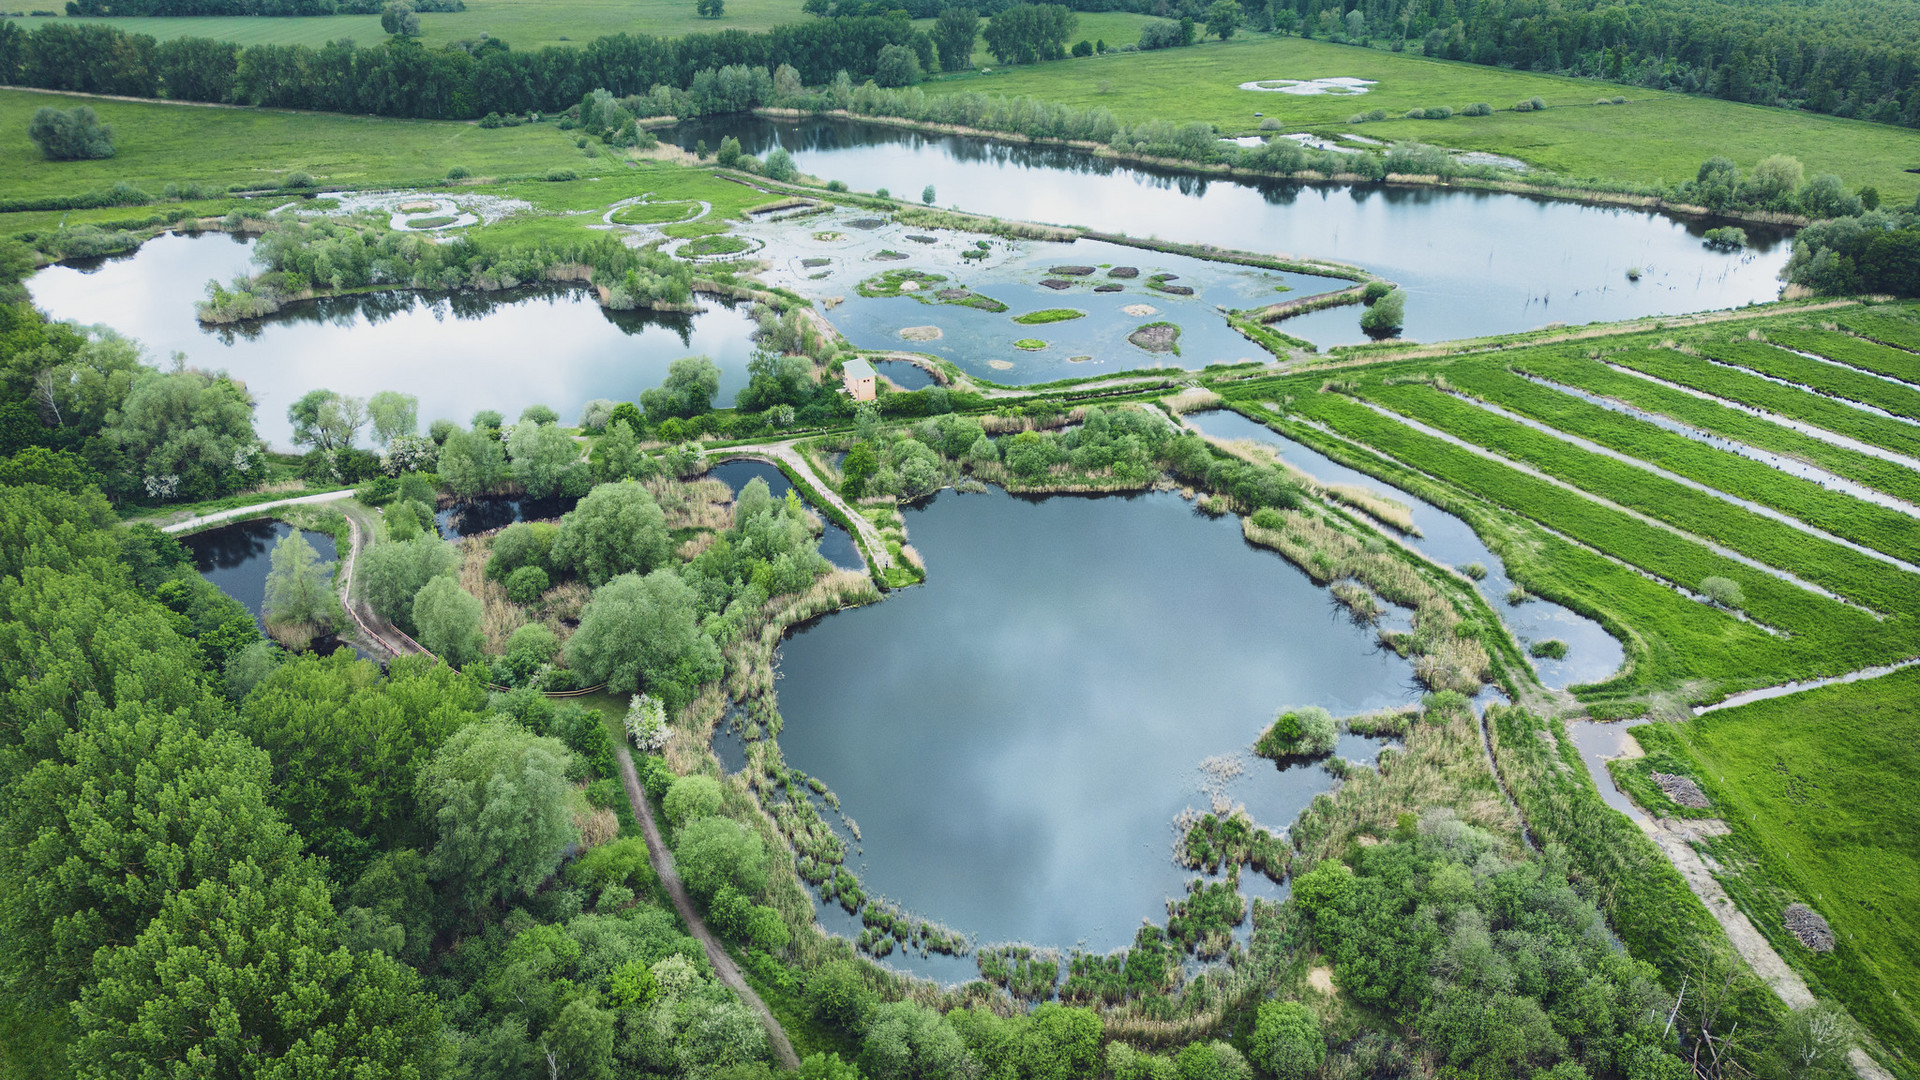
[527,584]
[1287,1041]
[297,181]
[691,798]
[1548,649]
[1478,108]
[837,994]
[1523,106]
[1726,238]
[1537,102]
[1618,99]
[459,172]
[780,165]
[1723,592]
[1375,290]
[1299,734]
[561,176]
[1387,315]
[74,134]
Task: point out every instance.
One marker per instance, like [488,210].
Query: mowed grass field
[1654,138]
[157,144]
[524,24]
[1822,790]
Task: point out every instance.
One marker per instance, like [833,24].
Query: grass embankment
[1830,379]
[157,144]
[1820,791]
[1852,351]
[1655,138]
[523,24]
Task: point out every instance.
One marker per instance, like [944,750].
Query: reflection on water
[1473,262]
[1592,654]
[236,558]
[459,353]
[1016,737]
[470,517]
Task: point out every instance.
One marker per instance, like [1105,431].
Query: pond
[237,557]
[470,517]
[1016,737]
[1473,262]
[1081,300]
[458,354]
[835,542]
[1593,655]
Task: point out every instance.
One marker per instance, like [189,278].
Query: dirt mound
[1683,790]
[1156,337]
[953,294]
[1807,925]
[1124,272]
[1056,284]
[1107,288]
[1070,271]
[921,333]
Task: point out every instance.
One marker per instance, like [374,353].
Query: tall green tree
[326,420]
[300,601]
[390,575]
[617,529]
[955,32]
[74,134]
[546,460]
[184,434]
[688,389]
[393,414]
[346,742]
[642,633]
[243,975]
[472,462]
[500,802]
[448,618]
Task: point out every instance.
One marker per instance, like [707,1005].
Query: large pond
[1016,738]
[1593,654]
[1472,262]
[554,347]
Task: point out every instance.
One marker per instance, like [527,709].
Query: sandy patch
[909,286]
[1000,365]
[1140,311]
[1078,359]
[1340,85]
[1321,979]
[415,207]
[921,333]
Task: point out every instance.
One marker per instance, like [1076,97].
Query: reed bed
[1193,399]
[499,617]
[704,503]
[1390,512]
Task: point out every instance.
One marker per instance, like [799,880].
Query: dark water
[1472,262]
[1592,654]
[1016,737]
[237,557]
[904,375]
[458,354]
[473,516]
[835,543]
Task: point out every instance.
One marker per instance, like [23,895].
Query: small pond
[459,354]
[1016,738]
[237,557]
[1473,262]
[835,543]
[470,517]
[1593,655]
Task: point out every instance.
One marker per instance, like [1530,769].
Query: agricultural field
[523,24]
[1655,138]
[1626,515]
[1819,791]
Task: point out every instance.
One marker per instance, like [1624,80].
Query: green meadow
[1654,138]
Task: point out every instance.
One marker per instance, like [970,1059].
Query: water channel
[1473,262]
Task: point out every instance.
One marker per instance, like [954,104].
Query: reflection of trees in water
[485,514]
[374,308]
[224,549]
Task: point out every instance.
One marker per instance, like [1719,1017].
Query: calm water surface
[1472,262]
[237,557]
[835,543]
[1592,654]
[459,354]
[1016,737]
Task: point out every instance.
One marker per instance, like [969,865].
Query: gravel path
[203,521]
[723,964]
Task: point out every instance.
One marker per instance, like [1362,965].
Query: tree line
[402,77]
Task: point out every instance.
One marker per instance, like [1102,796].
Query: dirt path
[244,511]
[723,965]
